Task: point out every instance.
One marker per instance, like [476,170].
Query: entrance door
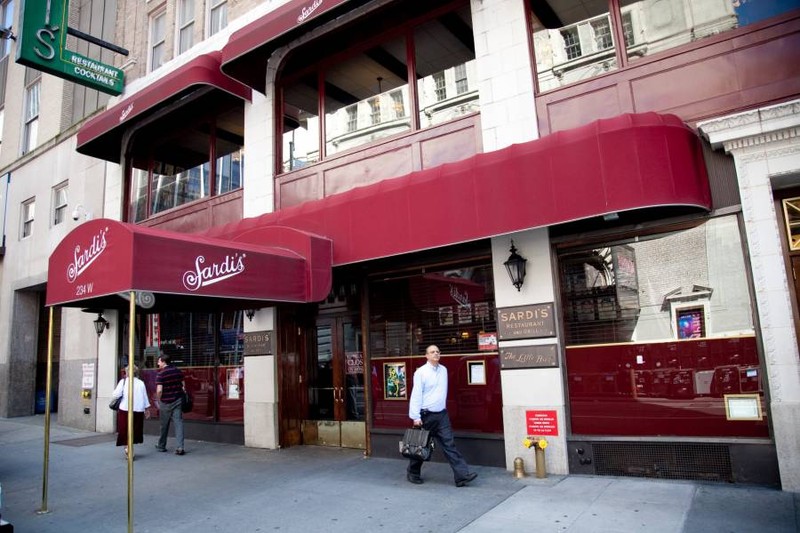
[335,373]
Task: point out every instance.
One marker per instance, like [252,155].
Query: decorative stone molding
[765,139]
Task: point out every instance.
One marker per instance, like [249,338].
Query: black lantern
[515,265]
[100,324]
[250,314]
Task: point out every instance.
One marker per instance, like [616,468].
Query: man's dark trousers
[439,426]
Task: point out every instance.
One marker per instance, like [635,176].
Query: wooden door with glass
[335,384]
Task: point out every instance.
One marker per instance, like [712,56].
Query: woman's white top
[140,399]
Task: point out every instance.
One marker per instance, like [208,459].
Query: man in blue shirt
[427,409]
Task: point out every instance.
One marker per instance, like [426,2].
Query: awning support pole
[48,385]
[131,377]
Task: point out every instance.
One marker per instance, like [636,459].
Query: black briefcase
[417,443]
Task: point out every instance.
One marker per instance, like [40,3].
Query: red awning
[102,258]
[101,136]
[625,163]
[245,56]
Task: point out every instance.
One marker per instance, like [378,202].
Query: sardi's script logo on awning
[83,258]
[203,276]
[308,11]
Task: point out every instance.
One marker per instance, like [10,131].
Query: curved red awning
[101,136]
[102,258]
[245,55]
[625,163]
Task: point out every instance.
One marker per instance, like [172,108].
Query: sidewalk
[228,488]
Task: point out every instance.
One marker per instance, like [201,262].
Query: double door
[335,384]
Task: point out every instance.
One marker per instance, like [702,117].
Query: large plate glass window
[658,331]
[208,348]
[452,308]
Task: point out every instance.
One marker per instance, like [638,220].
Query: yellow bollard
[541,471]
[519,468]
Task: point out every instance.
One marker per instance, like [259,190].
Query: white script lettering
[202,276]
[82,258]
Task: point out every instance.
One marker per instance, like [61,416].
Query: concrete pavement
[228,488]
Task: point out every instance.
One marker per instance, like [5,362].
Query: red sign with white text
[541,423]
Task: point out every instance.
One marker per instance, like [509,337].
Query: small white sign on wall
[87,381]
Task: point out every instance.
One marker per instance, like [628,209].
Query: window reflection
[575,42]
[364,88]
[361,94]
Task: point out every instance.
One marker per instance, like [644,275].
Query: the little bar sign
[539,356]
[42,45]
[526,322]
[542,423]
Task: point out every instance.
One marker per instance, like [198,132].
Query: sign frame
[42,45]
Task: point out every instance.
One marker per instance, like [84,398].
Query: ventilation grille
[705,462]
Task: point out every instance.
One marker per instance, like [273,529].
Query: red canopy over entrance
[102,258]
[614,165]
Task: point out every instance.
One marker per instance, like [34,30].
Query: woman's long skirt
[122,427]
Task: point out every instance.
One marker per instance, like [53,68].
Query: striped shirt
[171,380]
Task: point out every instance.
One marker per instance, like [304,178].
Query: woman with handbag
[141,409]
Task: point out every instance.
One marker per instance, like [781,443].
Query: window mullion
[620,49]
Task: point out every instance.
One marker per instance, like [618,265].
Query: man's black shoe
[463,482]
[416,480]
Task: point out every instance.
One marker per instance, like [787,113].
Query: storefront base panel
[752,463]
[483,451]
[224,433]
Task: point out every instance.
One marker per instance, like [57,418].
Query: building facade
[304,195]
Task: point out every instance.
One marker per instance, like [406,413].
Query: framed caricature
[394,381]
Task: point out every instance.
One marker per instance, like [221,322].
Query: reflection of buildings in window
[572,44]
[602,34]
[460,72]
[585,48]
[440,90]
[633,297]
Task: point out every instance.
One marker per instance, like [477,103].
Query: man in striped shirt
[169,394]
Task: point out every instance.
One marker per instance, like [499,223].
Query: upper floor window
[573,44]
[185,25]
[158,34]
[6,23]
[30,128]
[179,162]
[27,216]
[60,202]
[360,88]
[217,16]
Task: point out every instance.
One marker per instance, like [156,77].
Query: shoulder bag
[114,404]
[187,404]
[417,444]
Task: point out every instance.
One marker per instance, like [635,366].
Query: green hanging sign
[41,44]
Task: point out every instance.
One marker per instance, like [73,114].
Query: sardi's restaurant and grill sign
[526,322]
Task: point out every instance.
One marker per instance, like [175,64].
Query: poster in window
[481,310]
[446,316]
[394,381]
[691,323]
[465,314]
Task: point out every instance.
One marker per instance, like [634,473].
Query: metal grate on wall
[704,462]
